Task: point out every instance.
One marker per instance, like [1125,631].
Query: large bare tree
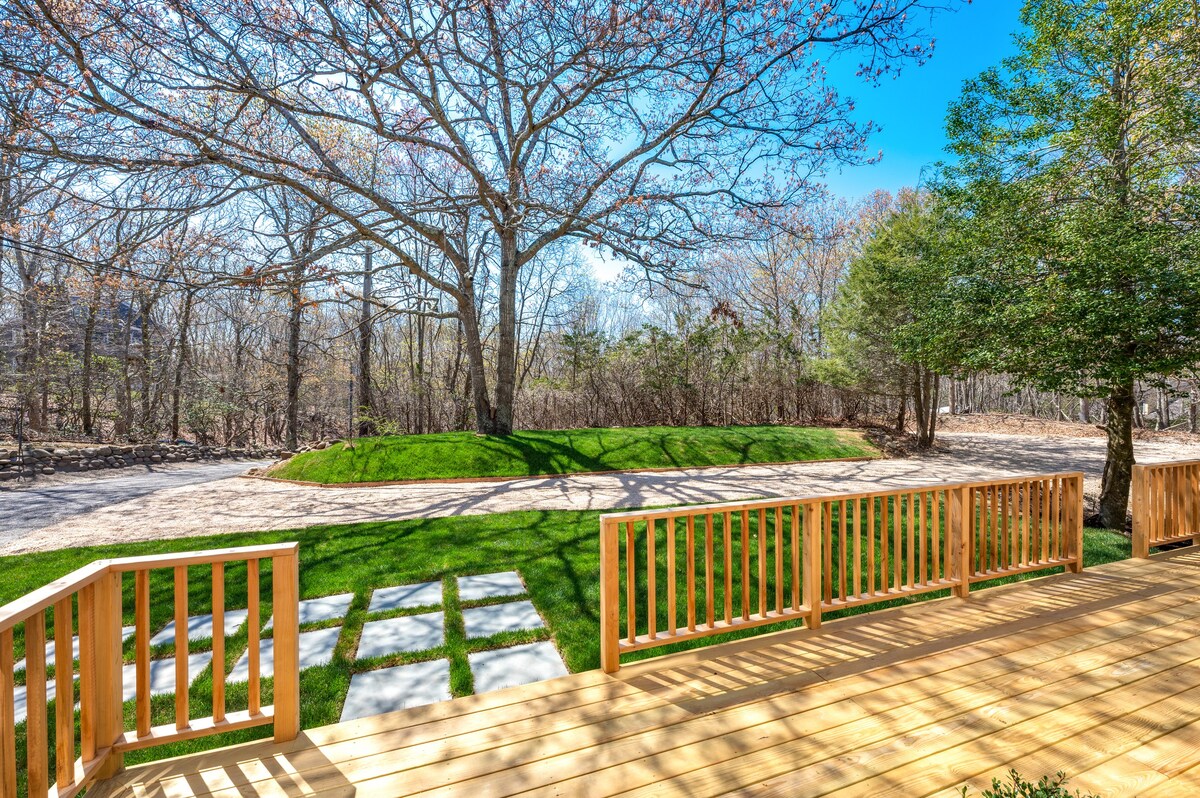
[477,130]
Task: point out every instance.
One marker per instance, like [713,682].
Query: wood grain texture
[1097,674]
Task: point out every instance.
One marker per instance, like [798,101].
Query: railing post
[1074,513]
[812,563]
[110,716]
[1141,512]
[285,600]
[959,530]
[1191,508]
[610,590]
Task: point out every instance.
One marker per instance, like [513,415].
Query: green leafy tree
[886,327]
[1076,187]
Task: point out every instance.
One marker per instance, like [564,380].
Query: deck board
[1097,674]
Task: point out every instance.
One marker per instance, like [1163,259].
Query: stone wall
[34,460]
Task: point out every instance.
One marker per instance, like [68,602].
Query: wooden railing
[688,572]
[91,600]
[1166,505]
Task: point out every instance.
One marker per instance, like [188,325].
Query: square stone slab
[201,627]
[406,597]
[483,586]
[516,665]
[401,687]
[317,610]
[316,648]
[126,633]
[162,675]
[407,633]
[511,617]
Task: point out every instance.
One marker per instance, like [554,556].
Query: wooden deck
[1097,674]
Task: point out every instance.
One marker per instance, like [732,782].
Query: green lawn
[557,553]
[451,455]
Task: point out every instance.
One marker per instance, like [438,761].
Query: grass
[456,455]
[557,553]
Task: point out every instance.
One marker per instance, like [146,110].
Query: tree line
[279,221]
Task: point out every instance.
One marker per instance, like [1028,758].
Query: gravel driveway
[237,505]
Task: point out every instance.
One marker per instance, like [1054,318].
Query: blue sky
[911,109]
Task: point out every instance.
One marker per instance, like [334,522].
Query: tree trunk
[180,364]
[292,405]
[366,412]
[506,349]
[1118,464]
[89,334]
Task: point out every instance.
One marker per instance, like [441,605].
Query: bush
[1019,787]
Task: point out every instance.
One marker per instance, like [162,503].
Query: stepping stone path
[406,634]
[406,597]
[126,633]
[162,674]
[401,687]
[200,627]
[515,665]
[512,616]
[316,648]
[486,586]
[320,610]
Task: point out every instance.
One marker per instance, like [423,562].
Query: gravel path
[237,505]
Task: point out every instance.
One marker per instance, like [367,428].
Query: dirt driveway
[236,504]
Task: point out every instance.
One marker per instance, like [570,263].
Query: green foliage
[1019,787]
[1078,268]
[451,455]
[889,315]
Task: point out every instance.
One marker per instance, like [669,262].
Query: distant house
[66,327]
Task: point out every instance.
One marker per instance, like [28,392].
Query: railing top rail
[1167,464]
[17,611]
[784,501]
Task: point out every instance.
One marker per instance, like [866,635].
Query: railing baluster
[672,616]
[8,718]
[64,694]
[745,565]
[691,572]
[871,546]
[253,625]
[762,561]
[912,539]
[779,559]
[37,735]
[826,540]
[651,592]
[796,557]
[218,641]
[141,600]
[843,572]
[182,713]
[709,568]
[923,503]
[87,674]
[727,529]
[857,548]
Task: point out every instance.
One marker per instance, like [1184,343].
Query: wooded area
[310,221]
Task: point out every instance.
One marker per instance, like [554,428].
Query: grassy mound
[453,455]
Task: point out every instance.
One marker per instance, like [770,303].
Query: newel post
[812,563]
[1141,511]
[961,502]
[1075,526]
[610,591]
[285,600]
[109,719]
